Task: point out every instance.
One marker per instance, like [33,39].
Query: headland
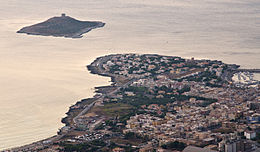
[160,102]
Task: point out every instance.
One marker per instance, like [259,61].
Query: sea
[41,77]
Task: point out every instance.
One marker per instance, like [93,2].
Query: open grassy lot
[121,141]
[113,109]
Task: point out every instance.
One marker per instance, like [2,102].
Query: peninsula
[162,103]
[62,26]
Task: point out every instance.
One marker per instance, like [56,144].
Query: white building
[250,134]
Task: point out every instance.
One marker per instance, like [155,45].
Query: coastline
[73,112]
[69,116]
[86,30]
[78,34]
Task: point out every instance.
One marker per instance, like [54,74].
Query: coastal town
[162,103]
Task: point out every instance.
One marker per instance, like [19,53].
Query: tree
[176,145]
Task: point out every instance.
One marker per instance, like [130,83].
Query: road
[51,140]
[98,63]
[249,70]
[100,99]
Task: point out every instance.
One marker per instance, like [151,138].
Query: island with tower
[62,26]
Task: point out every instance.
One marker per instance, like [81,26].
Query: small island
[62,26]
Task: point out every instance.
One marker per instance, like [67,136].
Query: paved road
[51,140]
[100,99]
[93,126]
[248,70]
[98,63]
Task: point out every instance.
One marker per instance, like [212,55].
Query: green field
[113,109]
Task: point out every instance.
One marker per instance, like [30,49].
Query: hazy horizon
[42,76]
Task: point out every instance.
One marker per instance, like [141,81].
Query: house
[147,149]
[165,150]
[197,149]
[150,67]
[250,134]
[118,149]
[128,93]
[255,118]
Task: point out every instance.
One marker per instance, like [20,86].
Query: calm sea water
[41,77]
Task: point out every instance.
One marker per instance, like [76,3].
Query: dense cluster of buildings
[185,100]
[220,124]
[138,66]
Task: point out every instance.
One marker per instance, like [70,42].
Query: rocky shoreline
[94,69]
[86,30]
[63,26]
[68,120]
[83,106]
